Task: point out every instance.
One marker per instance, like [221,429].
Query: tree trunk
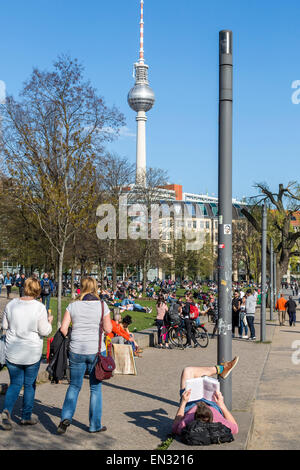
[145,271]
[73,293]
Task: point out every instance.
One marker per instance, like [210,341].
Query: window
[207,225]
[194,224]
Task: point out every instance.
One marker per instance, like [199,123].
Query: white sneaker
[245,337]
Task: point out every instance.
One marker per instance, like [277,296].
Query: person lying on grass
[204,410]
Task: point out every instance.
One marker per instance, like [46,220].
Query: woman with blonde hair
[25,321]
[86,315]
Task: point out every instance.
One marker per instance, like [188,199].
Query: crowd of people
[27,319]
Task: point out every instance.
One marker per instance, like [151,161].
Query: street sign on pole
[263,273]
[225,211]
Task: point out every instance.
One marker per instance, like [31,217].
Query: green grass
[166,444]
[140,320]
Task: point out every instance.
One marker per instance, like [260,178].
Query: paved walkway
[139,411]
[277,405]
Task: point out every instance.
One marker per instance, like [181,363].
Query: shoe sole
[6,425]
[103,429]
[6,421]
[62,429]
[229,372]
[24,423]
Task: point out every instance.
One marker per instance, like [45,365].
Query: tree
[282,207]
[149,195]
[117,174]
[51,140]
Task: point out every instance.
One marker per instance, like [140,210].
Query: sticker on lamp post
[227,229]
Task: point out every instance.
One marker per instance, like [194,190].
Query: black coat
[58,358]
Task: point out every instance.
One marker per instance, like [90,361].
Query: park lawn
[140,321]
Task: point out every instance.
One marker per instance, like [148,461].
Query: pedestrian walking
[47,290]
[243,324]
[236,304]
[281,309]
[161,309]
[25,321]
[251,300]
[20,283]
[8,282]
[86,315]
[188,321]
[291,308]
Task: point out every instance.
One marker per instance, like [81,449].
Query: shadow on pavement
[154,422]
[144,394]
[44,414]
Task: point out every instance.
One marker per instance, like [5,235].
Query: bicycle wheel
[201,336]
[177,337]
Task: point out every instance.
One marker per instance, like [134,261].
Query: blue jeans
[127,302]
[78,365]
[242,326]
[21,375]
[138,308]
[46,300]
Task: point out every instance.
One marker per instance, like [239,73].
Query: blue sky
[181,49]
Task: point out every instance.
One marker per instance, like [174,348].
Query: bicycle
[178,335]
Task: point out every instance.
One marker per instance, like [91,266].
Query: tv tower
[141,99]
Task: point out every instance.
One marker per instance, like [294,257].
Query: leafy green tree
[51,139]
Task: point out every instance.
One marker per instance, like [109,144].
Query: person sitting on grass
[216,411]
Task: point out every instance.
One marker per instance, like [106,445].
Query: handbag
[105,365]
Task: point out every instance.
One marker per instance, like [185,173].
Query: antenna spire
[142,34]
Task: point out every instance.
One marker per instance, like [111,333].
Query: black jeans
[250,320]
[292,318]
[8,291]
[189,333]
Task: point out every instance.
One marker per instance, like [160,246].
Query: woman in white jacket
[25,321]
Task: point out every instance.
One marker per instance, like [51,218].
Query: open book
[203,387]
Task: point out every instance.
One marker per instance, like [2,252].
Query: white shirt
[86,315]
[26,323]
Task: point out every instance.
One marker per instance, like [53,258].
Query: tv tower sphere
[141,99]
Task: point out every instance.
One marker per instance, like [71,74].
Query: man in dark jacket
[188,322]
[236,306]
[47,290]
[20,284]
[291,310]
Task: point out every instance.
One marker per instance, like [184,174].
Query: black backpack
[198,433]
[173,317]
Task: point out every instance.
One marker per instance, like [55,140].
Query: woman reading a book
[208,411]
